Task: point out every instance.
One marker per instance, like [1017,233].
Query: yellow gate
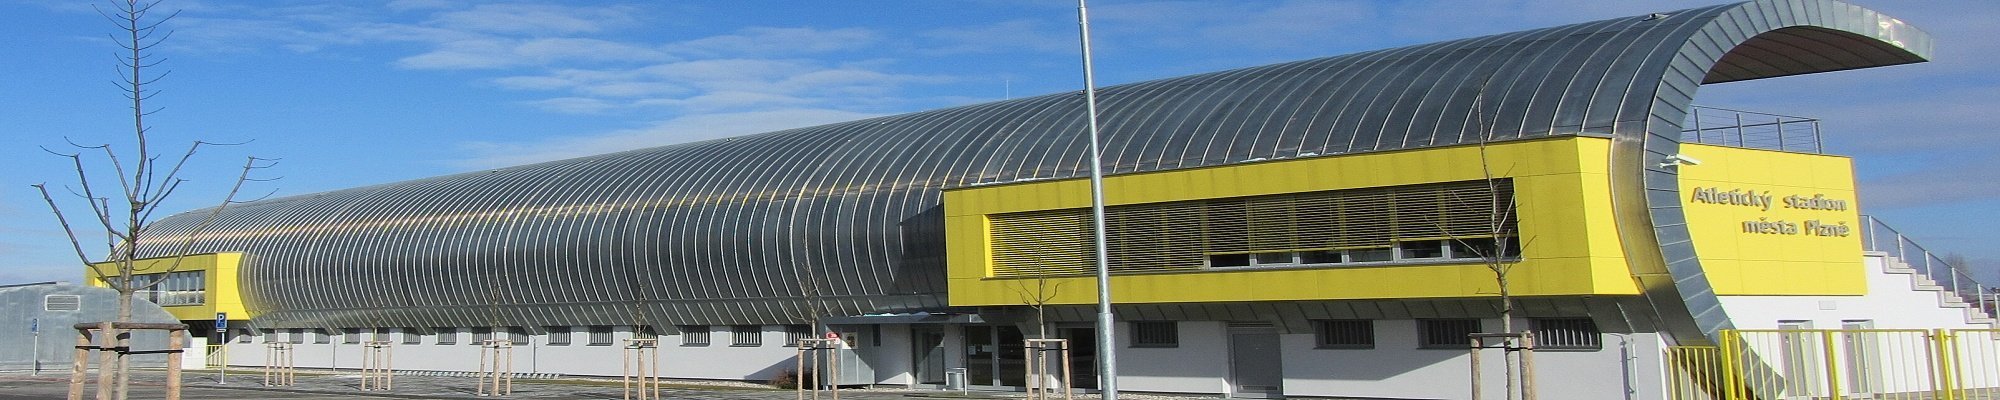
[1773,364]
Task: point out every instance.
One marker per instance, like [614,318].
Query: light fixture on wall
[1677,160]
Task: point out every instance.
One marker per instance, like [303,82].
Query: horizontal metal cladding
[746,229]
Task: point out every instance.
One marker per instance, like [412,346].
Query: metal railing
[1878,236]
[1749,129]
[1884,364]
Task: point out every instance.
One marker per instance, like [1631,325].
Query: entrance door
[1255,368]
[1082,356]
[928,354]
[994,356]
[1864,357]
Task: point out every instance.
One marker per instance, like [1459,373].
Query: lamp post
[1107,360]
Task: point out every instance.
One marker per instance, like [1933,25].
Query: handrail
[1750,129]
[1878,236]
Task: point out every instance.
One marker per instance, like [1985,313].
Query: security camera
[1678,160]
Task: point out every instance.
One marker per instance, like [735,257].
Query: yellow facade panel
[220,290]
[1773,223]
[1564,218]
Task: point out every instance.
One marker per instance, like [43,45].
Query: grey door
[928,354]
[1255,370]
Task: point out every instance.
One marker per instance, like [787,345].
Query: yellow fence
[1942,364]
[218,356]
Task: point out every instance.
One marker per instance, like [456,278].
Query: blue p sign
[221,321]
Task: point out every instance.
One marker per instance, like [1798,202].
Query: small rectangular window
[1320,257]
[747,335]
[1276,258]
[1155,334]
[295,336]
[381,335]
[600,335]
[519,336]
[1446,333]
[1228,260]
[1371,255]
[1419,249]
[1344,334]
[480,336]
[351,336]
[694,335]
[796,333]
[644,332]
[322,336]
[1480,248]
[446,335]
[1567,334]
[271,336]
[411,336]
[245,336]
[558,335]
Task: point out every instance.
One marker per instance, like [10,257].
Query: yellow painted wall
[222,293]
[1569,244]
[1755,263]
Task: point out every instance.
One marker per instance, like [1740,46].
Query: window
[1480,248]
[1229,260]
[270,336]
[694,335]
[1418,249]
[558,335]
[1321,257]
[480,336]
[411,336]
[518,335]
[1371,255]
[1344,334]
[1413,251]
[246,335]
[600,335]
[446,335]
[62,302]
[1388,224]
[1446,333]
[350,335]
[1155,334]
[796,333]
[295,336]
[747,335]
[1566,334]
[644,332]
[173,289]
[381,335]
[322,336]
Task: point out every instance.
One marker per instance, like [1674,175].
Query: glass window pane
[1370,255]
[1422,249]
[1320,257]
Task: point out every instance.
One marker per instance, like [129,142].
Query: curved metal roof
[725,231]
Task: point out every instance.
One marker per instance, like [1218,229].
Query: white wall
[1397,368]
[1891,303]
[1198,365]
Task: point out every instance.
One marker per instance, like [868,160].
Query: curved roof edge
[1749,40]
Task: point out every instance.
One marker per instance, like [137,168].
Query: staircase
[1954,287]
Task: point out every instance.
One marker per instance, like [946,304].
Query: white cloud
[1029,35]
[465,54]
[678,130]
[767,40]
[535,19]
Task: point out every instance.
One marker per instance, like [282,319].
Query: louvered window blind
[1183,235]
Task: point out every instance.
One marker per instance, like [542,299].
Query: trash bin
[954,379]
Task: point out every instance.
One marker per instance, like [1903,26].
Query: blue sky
[361,92]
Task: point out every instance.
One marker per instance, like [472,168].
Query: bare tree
[1495,240]
[143,184]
